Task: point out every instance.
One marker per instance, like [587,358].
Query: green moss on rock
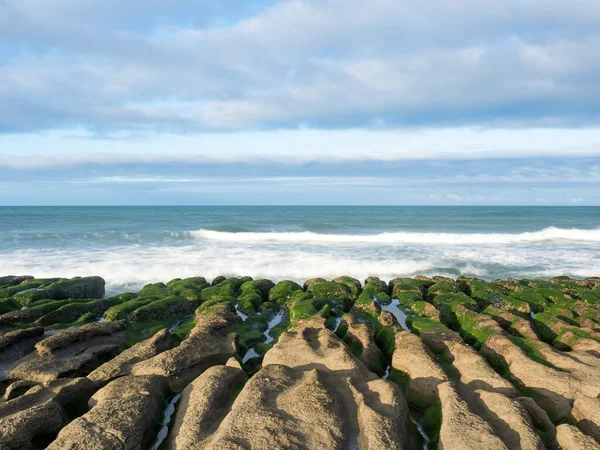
[283,291]
[71,312]
[399,285]
[331,289]
[164,309]
[352,283]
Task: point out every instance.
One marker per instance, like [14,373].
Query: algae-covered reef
[234,362]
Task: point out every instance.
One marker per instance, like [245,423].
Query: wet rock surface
[337,364]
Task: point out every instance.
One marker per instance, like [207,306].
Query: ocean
[132,246]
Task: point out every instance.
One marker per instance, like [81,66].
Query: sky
[444,102]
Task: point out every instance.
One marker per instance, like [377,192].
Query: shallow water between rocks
[167,416]
[397,312]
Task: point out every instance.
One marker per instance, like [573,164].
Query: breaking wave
[403,237]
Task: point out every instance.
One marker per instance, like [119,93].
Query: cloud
[189,67]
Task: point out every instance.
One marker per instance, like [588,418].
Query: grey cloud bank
[109,66]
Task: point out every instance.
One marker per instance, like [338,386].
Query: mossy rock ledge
[324,363]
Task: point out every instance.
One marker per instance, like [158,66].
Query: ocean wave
[130,268]
[403,237]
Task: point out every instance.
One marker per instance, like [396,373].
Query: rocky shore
[238,363]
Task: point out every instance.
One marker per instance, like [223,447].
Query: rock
[208,344]
[16,344]
[13,280]
[19,429]
[387,319]
[39,411]
[123,363]
[461,429]
[312,392]
[71,353]
[509,420]
[554,390]
[537,415]
[218,280]
[399,285]
[65,390]
[87,287]
[283,290]
[17,389]
[362,335]
[122,416]
[80,337]
[571,438]
[414,359]
[324,288]
[586,413]
[475,372]
[352,283]
[204,404]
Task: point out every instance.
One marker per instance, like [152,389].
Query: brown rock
[387,319]
[39,411]
[461,429]
[122,416]
[475,372]
[586,412]
[203,405]
[312,392]
[208,344]
[14,345]
[571,438]
[363,335]
[123,363]
[19,429]
[17,389]
[413,358]
[70,353]
[82,337]
[509,420]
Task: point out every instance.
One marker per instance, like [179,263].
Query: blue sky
[300,102]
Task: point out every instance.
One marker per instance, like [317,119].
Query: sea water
[132,246]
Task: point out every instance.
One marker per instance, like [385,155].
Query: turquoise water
[130,246]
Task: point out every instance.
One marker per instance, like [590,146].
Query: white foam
[129,267]
[405,237]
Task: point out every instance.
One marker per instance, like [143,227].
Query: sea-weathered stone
[509,420]
[15,345]
[461,428]
[312,392]
[39,411]
[586,412]
[363,336]
[123,363]
[423,373]
[122,416]
[571,438]
[71,353]
[87,287]
[203,405]
[208,344]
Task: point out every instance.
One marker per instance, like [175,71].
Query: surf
[545,235]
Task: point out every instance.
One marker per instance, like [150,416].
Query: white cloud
[327,64]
